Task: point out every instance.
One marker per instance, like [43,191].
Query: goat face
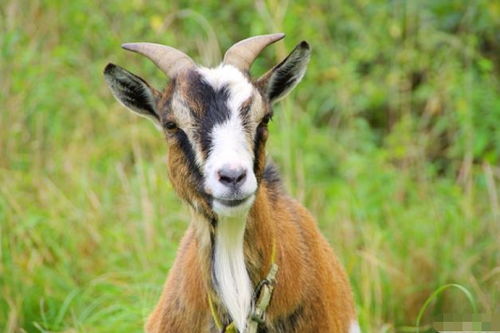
[215,121]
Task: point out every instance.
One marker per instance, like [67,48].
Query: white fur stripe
[233,283]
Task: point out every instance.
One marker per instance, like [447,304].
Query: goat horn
[171,61]
[242,54]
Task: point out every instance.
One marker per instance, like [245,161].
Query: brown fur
[312,292]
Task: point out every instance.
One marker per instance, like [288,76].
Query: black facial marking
[258,147]
[194,170]
[188,151]
[214,108]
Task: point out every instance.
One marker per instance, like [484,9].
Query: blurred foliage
[392,140]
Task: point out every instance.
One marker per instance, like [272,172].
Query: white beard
[233,283]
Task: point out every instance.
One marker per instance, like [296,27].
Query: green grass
[392,141]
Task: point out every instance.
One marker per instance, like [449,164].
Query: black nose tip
[232,177]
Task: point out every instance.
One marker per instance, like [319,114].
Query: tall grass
[392,141]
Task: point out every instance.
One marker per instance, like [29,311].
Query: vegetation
[392,141]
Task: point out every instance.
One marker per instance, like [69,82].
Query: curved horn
[171,61]
[242,54]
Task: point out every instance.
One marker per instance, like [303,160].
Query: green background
[392,140]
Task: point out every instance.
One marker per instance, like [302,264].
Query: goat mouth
[232,203]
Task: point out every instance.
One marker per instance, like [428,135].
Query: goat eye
[170,125]
[267,118]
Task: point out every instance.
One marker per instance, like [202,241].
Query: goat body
[215,123]
[312,293]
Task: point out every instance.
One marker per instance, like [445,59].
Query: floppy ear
[282,78]
[133,92]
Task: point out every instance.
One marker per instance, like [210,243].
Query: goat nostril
[241,177]
[225,179]
[232,177]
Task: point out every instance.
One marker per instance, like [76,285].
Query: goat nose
[232,177]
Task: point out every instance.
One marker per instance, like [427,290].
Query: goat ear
[133,92]
[282,78]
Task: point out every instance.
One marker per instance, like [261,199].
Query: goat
[215,121]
